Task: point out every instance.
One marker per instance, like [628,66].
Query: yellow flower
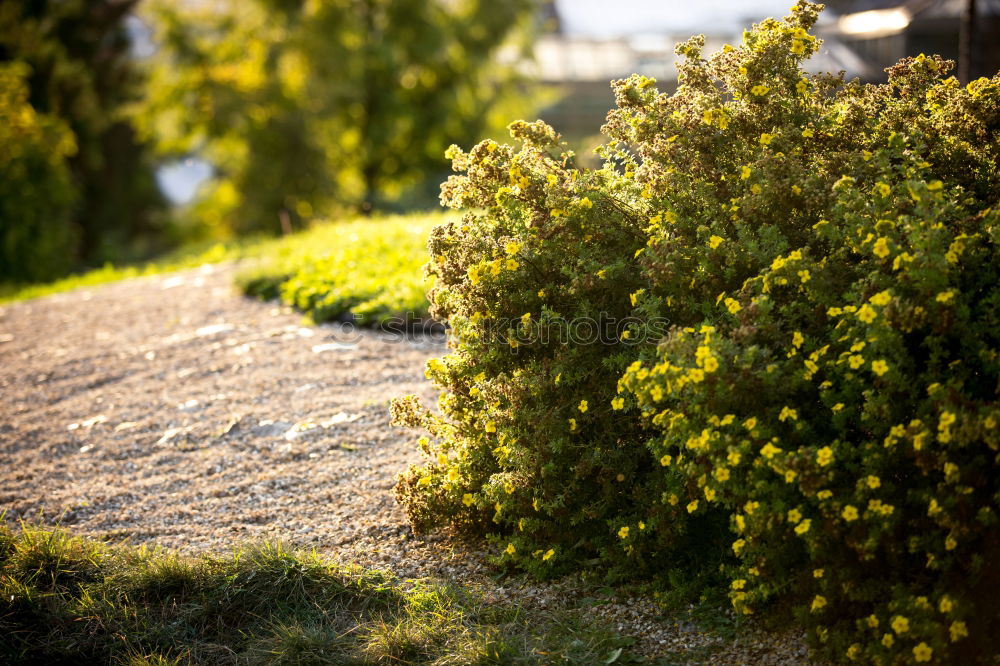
[750,423]
[572,425]
[881,247]
[922,652]
[715,241]
[881,298]
[880,367]
[583,406]
[873,482]
[958,630]
[824,456]
[769,450]
[549,554]
[802,87]
[623,532]
[739,584]
[734,458]
[759,90]
[798,47]
[946,605]
[900,624]
[856,361]
[745,173]
[802,528]
[468,499]
[617,403]
[867,314]
[945,296]
[818,603]
[722,474]
[794,516]
[950,543]
[797,339]
[512,248]
[490,426]
[453,475]
[665,460]
[692,506]
[765,139]
[755,189]
[888,640]
[512,264]
[850,513]
[818,573]
[808,133]
[738,545]
[510,550]
[732,305]
[787,413]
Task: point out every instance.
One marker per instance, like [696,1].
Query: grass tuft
[67,599]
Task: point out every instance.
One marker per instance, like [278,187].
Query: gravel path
[169,410]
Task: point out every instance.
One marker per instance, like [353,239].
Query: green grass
[189,257]
[371,269]
[65,599]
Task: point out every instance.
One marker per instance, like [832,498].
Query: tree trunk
[967,43]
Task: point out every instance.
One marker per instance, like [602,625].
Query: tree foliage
[302,106]
[36,196]
[81,71]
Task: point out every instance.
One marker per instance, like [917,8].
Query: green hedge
[368,268]
[820,415]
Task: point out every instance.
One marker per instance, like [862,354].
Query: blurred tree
[81,71]
[36,195]
[304,105]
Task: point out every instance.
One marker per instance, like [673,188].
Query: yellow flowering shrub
[831,380]
[532,443]
[826,256]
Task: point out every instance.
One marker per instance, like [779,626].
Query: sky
[609,18]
